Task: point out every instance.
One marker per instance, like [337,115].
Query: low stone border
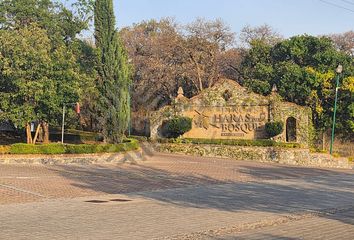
[84,159]
[301,157]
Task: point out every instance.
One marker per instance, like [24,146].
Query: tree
[167,56]
[230,63]
[42,65]
[35,78]
[204,43]
[113,74]
[263,33]
[302,68]
[257,70]
[153,47]
[59,22]
[85,53]
[344,42]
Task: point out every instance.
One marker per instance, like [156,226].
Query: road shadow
[127,178]
[258,237]
[277,189]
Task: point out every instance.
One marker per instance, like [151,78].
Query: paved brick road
[176,197]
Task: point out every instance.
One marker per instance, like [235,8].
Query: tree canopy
[303,69]
[113,74]
[41,64]
[167,55]
[44,64]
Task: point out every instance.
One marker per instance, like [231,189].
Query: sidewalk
[198,212]
[176,197]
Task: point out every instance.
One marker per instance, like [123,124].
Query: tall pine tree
[113,74]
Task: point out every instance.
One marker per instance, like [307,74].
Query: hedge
[139,138]
[58,148]
[274,128]
[234,142]
[177,126]
[23,148]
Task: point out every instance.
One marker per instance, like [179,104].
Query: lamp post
[338,71]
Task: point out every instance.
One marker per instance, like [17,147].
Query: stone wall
[282,111]
[229,111]
[301,157]
[83,159]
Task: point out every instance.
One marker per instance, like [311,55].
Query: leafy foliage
[57,148]
[302,68]
[176,127]
[53,148]
[114,74]
[274,128]
[40,62]
[35,79]
[233,142]
[257,68]
[59,22]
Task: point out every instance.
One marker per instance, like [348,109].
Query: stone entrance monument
[229,111]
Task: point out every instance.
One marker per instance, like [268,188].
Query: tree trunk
[40,134]
[36,135]
[199,78]
[28,133]
[199,83]
[45,127]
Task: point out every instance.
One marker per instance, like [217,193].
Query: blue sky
[288,17]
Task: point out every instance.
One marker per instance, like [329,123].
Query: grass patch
[139,138]
[57,148]
[233,142]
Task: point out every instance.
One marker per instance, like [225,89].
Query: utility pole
[338,71]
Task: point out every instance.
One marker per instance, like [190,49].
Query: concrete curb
[82,159]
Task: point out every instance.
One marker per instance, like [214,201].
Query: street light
[339,72]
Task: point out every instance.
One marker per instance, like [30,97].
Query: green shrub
[80,148]
[139,138]
[23,148]
[274,128]
[57,148]
[176,127]
[5,149]
[132,144]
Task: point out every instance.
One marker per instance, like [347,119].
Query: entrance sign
[230,111]
[245,122]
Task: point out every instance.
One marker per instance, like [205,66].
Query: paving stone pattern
[176,197]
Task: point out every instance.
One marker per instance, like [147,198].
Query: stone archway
[291,129]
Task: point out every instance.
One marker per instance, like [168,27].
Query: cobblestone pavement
[176,197]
